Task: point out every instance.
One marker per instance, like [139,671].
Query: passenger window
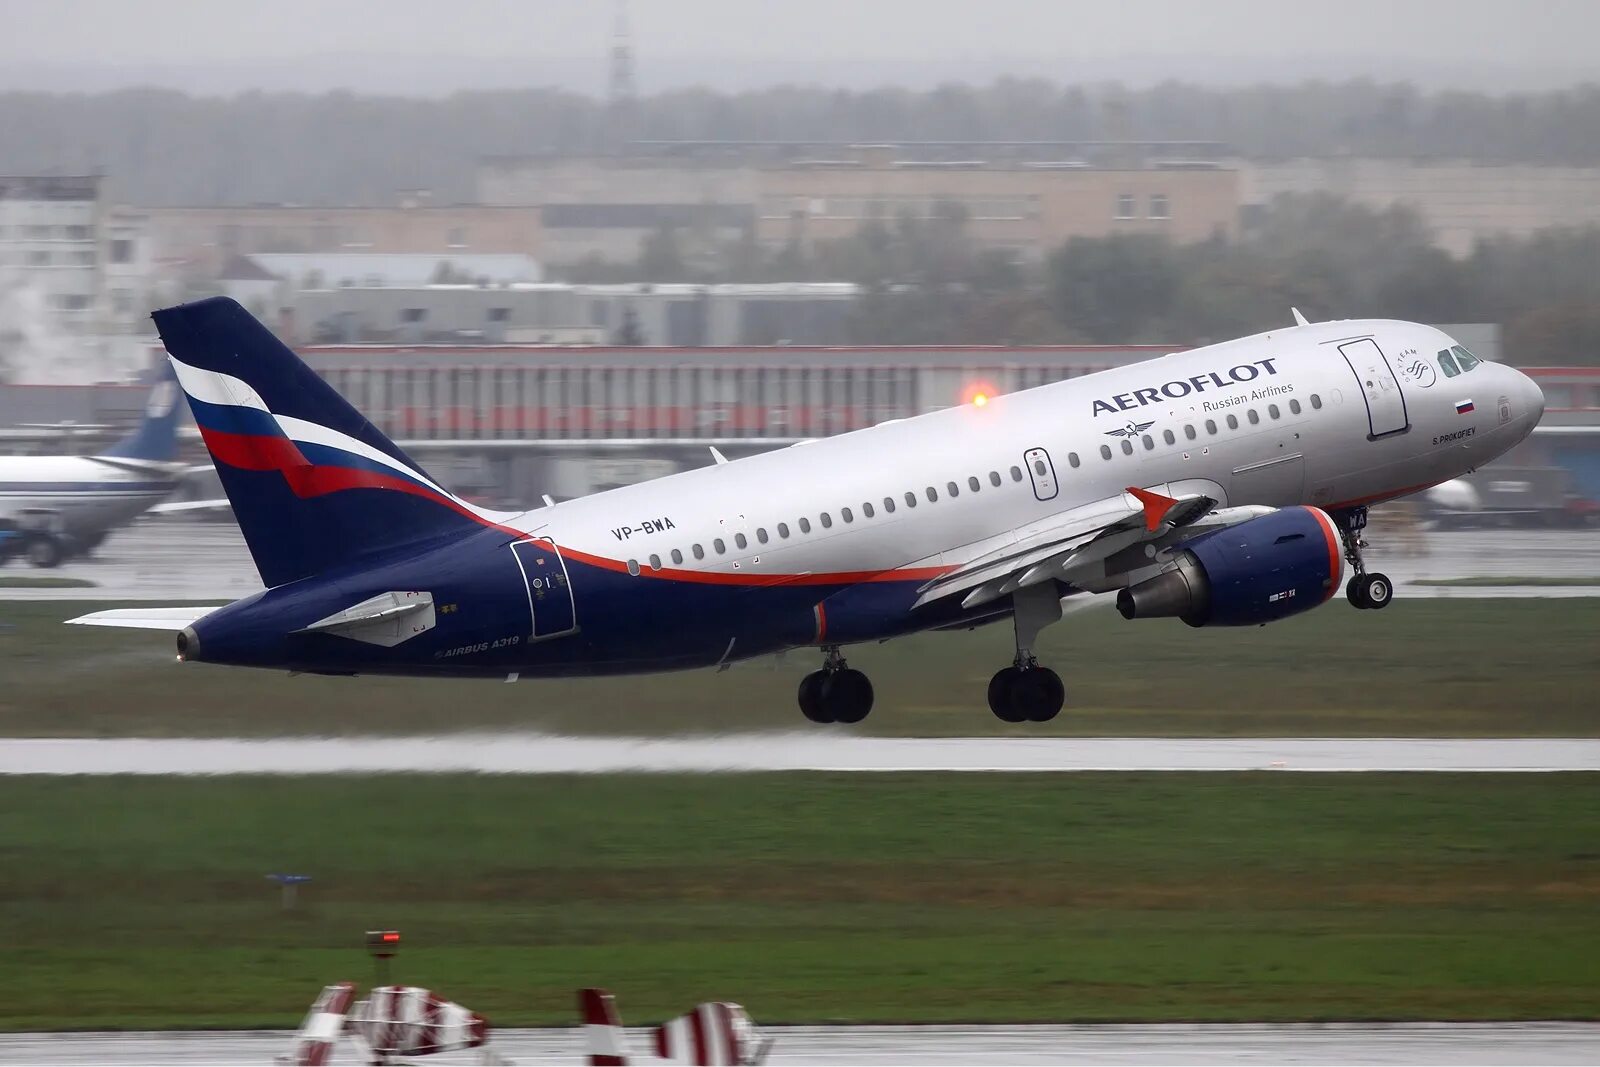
[783,530]
[827,521]
[972,483]
[953,489]
[1211,426]
[866,509]
[1316,402]
[911,500]
[633,567]
[1166,435]
[655,562]
[1189,432]
[888,504]
[1072,459]
[1272,410]
[1039,468]
[1464,358]
[1127,447]
[761,534]
[844,513]
[699,553]
[1105,451]
[994,478]
[1149,442]
[1294,407]
[1016,474]
[677,556]
[719,546]
[1233,422]
[933,494]
[740,540]
[805,525]
[1447,363]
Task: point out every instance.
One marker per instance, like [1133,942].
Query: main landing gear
[836,693]
[1364,590]
[1025,691]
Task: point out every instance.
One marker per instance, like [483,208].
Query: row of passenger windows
[847,515]
[953,489]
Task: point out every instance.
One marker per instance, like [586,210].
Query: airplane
[56,507]
[1226,486]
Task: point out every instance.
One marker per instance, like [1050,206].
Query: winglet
[1299,319]
[717,455]
[1156,506]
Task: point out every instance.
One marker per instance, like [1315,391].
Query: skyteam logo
[1182,387]
[1133,429]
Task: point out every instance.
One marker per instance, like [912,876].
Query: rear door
[549,593]
[1386,404]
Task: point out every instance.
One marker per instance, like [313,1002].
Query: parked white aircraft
[1223,485]
[53,507]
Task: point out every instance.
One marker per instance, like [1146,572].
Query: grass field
[1419,668]
[143,902]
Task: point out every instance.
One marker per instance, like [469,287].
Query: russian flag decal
[1463,406]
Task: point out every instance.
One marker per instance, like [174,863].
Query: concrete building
[1463,202]
[202,240]
[50,235]
[561,314]
[1022,197]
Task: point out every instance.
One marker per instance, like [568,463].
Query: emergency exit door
[1386,404]
[549,594]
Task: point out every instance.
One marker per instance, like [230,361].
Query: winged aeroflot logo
[1133,429]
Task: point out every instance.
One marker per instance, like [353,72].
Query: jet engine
[1257,572]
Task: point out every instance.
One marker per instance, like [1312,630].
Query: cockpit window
[1466,359]
[1447,363]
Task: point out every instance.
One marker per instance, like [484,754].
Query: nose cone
[1533,400]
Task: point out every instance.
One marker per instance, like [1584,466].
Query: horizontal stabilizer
[169,619]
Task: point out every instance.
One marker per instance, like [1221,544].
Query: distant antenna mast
[620,88]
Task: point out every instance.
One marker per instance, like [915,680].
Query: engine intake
[1247,575]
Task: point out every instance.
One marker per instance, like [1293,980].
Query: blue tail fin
[313,484]
[156,436]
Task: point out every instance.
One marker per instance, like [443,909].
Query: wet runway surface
[208,563]
[1426,1043]
[530,753]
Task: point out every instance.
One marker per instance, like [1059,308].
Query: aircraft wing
[1070,549]
[170,619]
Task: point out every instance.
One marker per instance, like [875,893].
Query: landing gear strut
[1364,590]
[836,693]
[1025,691]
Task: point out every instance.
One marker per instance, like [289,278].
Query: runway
[532,753]
[1421,1043]
[208,563]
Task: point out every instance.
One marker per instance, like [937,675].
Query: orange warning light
[978,394]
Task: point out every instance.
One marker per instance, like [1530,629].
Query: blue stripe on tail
[304,509]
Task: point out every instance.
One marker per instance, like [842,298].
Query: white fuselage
[1277,419]
[78,495]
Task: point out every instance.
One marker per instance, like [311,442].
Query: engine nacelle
[1254,573]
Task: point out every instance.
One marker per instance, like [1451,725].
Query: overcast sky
[429,46]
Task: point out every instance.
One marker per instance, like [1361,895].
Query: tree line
[925,281]
[163,147]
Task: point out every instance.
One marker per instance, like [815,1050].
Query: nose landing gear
[1364,590]
[836,693]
